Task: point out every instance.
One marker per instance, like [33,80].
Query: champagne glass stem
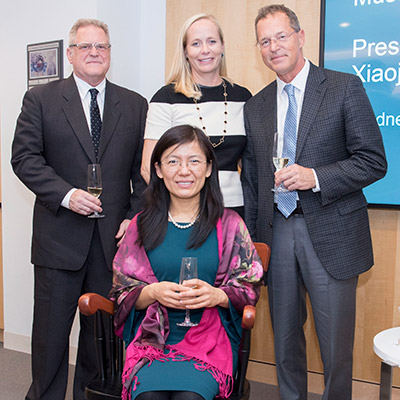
[187,317]
[188,271]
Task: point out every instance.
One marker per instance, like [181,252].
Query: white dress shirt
[83,89]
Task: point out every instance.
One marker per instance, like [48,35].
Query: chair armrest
[90,303]
[249,315]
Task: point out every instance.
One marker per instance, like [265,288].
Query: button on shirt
[83,90]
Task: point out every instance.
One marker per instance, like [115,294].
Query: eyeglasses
[102,47]
[280,38]
[173,164]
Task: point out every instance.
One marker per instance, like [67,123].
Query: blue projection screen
[362,37]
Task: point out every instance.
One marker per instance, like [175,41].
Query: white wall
[137,30]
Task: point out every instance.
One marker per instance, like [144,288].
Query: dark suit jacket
[50,154]
[338,136]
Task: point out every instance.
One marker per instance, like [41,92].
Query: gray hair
[278,8]
[80,23]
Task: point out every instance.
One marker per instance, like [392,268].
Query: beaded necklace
[214,145]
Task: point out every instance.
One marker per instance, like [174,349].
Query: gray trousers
[294,270]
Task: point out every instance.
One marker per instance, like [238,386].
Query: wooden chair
[108,385]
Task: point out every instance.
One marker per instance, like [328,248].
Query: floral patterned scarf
[239,275]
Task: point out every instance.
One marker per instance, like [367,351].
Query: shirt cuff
[65,202]
[317,187]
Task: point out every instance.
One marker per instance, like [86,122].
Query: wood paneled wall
[1,267]
[236,18]
[378,293]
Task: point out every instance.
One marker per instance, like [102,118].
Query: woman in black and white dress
[199,93]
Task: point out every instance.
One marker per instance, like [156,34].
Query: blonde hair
[181,71]
[81,23]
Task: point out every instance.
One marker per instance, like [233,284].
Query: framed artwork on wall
[45,62]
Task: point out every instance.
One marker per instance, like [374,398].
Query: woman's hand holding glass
[166,293]
[173,295]
[205,295]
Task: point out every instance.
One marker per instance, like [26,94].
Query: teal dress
[165,261]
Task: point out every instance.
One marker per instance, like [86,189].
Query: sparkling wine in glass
[279,162]
[188,271]
[94,185]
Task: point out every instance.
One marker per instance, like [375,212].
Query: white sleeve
[317,187]
[65,202]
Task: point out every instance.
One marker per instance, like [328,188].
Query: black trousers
[56,296]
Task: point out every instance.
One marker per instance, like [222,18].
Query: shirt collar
[299,81]
[83,87]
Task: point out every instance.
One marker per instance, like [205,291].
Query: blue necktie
[95,121]
[287,201]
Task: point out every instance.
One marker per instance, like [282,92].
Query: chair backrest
[107,346]
[264,251]
[248,319]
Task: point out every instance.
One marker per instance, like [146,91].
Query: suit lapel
[268,114]
[111,116]
[313,96]
[76,117]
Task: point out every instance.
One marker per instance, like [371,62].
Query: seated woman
[183,217]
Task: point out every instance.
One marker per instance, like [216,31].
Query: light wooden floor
[265,373]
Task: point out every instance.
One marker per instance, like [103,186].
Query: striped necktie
[287,201]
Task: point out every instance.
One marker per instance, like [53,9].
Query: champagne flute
[279,162]
[188,271]
[94,185]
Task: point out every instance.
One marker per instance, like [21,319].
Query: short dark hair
[276,8]
[153,222]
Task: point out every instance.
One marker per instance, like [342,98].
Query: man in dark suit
[318,229]
[63,127]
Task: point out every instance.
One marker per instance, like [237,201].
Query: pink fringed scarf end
[136,358]
[224,381]
[126,390]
